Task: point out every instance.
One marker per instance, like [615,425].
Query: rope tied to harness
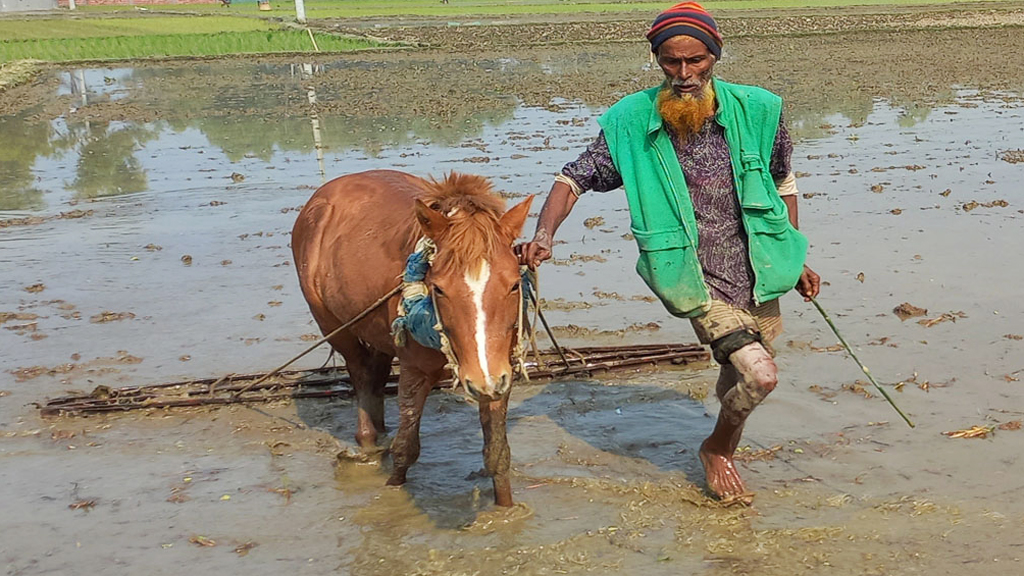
[416,312]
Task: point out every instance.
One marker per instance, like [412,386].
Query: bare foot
[720,471]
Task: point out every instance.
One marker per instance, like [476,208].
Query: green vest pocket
[668,264]
[779,251]
[754,190]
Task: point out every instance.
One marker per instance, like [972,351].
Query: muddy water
[158,199]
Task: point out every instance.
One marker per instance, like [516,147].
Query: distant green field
[216,30]
[355,9]
[41,29]
[461,8]
[125,47]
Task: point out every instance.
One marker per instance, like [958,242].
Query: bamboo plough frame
[334,382]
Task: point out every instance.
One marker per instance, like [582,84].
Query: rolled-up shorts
[725,319]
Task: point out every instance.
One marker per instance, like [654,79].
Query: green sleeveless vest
[661,213]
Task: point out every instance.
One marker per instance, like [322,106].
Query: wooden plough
[334,382]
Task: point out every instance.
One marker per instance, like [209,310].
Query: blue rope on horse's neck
[416,312]
[416,315]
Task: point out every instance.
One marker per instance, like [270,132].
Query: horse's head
[474,279]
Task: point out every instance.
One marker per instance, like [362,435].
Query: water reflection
[104,118]
[107,165]
[24,142]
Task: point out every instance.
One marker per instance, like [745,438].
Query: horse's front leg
[413,388]
[497,456]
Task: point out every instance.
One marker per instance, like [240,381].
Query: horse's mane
[473,210]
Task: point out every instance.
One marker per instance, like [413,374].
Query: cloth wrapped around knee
[723,347]
[758,376]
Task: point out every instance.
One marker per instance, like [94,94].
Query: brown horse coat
[350,243]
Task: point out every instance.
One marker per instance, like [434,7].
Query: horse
[351,242]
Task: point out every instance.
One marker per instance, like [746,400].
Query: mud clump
[21,316]
[564,305]
[907,310]
[75,214]
[574,258]
[25,374]
[944,317]
[968,206]
[94,367]
[26,221]
[36,220]
[602,295]
[583,332]
[1012,156]
[108,316]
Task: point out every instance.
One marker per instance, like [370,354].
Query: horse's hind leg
[368,371]
[370,398]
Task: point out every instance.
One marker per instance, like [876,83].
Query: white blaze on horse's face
[477,283]
[484,335]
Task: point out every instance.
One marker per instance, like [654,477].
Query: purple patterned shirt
[721,239]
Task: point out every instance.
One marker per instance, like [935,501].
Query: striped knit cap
[686,19]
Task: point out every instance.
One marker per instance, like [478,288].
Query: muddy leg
[413,387]
[368,371]
[497,456]
[741,387]
[370,396]
[369,409]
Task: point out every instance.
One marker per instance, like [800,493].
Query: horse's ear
[513,220]
[431,221]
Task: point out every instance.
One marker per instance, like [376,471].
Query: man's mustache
[683,85]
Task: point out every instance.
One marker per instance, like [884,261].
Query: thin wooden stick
[218,382]
[859,363]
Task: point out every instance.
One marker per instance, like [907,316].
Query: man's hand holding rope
[534,252]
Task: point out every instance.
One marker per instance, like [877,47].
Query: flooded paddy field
[144,221]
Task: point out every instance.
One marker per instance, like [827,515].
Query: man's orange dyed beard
[686,114]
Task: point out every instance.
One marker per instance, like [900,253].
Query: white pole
[314,118]
[300,11]
[78,85]
[71,4]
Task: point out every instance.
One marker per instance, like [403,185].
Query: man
[705,165]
